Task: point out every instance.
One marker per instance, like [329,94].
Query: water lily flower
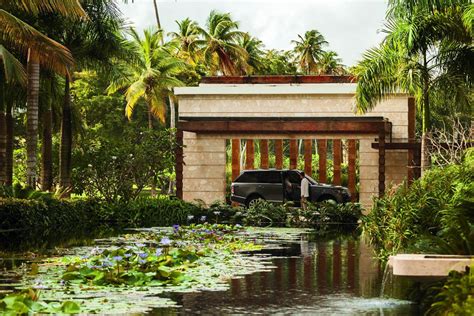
[107,263]
[127,255]
[96,251]
[190,217]
[165,241]
[114,157]
[238,225]
[217,213]
[158,252]
[175,228]
[140,245]
[143,255]
[61,282]
[203,218]
[142,261]
[118,258]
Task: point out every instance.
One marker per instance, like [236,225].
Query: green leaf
[70,307]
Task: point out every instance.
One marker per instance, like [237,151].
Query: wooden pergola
[380,127]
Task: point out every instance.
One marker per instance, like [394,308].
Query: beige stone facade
[205,157]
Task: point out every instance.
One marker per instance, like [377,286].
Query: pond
[295,273]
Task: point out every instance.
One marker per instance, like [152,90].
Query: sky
[350,26]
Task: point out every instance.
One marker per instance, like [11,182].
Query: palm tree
[421,53]
[93,41]
[330,64]
[150,75]
[254,48]
[186,40]
[11,70]
[309,50]
[279,63]
[221,49]
[41,50]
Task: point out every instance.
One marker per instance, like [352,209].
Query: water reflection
[319,278]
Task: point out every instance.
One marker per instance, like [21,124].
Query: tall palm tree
[330,64]
[309,49]
[93,41]
[221,49]
[186,40]
[149,76]
[254,48]
[41,50]
[11,70]
[421,53]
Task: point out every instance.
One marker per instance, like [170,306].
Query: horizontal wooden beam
[280,79]
[279,127]
[398,146]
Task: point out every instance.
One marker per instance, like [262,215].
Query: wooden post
[337,157]
[293,153]
[249,155]
[278,153]
[352,169]
[411,138]
[235,158]
[264,154]
[179,164]
[381,164]
[308,156]
[322,152]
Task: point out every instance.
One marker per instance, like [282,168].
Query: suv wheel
[253,200]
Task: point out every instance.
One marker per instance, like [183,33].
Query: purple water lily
[118,258]
[142,261]
[127,255]
[140,245]
[165,241]
[143,255]
[107,263]
[175,228]
[158,252]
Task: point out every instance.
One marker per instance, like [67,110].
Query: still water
[309,276]
[337,277]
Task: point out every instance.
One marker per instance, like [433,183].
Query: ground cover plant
[131,273]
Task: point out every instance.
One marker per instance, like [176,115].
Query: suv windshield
[259,177]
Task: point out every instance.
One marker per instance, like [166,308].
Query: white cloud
[350,26]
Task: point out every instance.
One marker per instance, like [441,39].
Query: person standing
[304,190]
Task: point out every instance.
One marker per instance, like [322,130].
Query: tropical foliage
[433,214]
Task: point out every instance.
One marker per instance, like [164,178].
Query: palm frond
[71,8]
[135,92]
[49,53]
[12,68]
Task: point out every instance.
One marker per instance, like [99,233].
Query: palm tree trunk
[172,113]
[157,16]
[66,144]
[47,148]
[426,120]
[33,72]
[3,135]
[9,147]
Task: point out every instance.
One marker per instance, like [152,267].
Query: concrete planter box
[428,265]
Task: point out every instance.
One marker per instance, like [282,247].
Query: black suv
[281,186]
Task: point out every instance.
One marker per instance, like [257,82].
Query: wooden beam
[280,126]
[352,168]
[264,154]
[308,156]
[322,152]
[381,164]
[337,159]
[293,153]
[277,79]
[250,155]
[278,153]
[235,158]
[179,164]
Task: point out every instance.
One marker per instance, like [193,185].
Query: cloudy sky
[350,26]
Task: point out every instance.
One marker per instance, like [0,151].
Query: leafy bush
[453,297]
[434,213]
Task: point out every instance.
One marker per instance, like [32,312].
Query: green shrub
[453,297]
[435,210]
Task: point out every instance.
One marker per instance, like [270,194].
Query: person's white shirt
[304,187]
